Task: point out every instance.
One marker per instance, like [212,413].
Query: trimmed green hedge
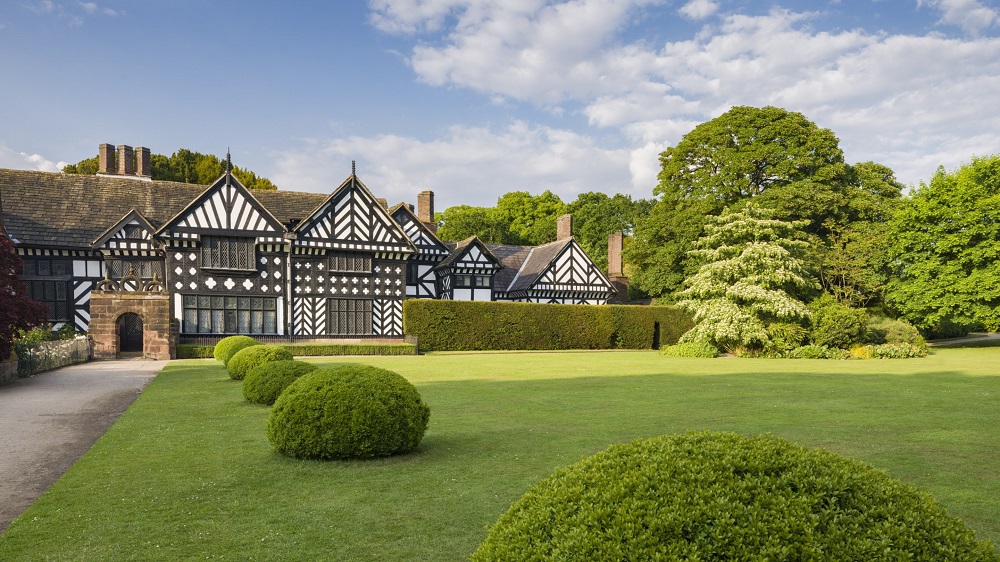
[442,325]
[196,351]
[332,349]
[721,496]
[229,346]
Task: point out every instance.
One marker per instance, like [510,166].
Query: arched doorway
[129,333]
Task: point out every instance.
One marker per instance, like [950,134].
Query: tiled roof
[71,210]
[511,257]
[535,263]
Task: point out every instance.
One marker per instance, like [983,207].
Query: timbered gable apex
[352,219]
[427,243]
[131,234]
[572,269]
[225,208]
[471,256]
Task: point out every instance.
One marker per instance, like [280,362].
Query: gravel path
[50,420]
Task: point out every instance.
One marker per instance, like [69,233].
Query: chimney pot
[106,159]
[383,202]
[126,160]
[564,227]
[143,164]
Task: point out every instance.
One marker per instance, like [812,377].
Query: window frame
[229,253]
[229,314]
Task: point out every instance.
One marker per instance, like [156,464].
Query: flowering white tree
[753,270]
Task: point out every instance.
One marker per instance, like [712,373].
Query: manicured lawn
[187,472]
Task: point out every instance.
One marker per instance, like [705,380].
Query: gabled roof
[56,210]
[422,237]
[351,217]
[225,205]
[528,267]
[472,247]
[132,216]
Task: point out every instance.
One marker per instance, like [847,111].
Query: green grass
[187,472]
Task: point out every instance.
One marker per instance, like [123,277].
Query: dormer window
[228,252]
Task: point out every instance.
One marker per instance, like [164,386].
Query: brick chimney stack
[126,160]
[142,162]
[106,159]
[425,209]
[615,274]
[564,227]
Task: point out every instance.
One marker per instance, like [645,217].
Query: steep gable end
[351,218]
[225,207]
[426,241]
[571,270]
[471,255]
[130,234]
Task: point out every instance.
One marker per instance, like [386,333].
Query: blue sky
[474,98]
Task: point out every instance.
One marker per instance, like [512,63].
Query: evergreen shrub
[347,412]
[249,357]
[890,351]
[818,352]
[264,383]
[886,330]
[690,349]
[722,496]
[442,325]
[836,325]
[229,346]
[786,336]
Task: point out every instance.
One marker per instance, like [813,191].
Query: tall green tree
[945,249]
[770,155]
[462,221]
[596,216]
[183,166]
[854,262]
[753,277]
[531,218]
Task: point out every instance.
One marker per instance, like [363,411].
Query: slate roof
[530,266]
[458,248]
[71,210]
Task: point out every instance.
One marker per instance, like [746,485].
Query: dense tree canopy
[184,166]
[753,276]
[17,310]
[523,219]
[945,248]
[776,157]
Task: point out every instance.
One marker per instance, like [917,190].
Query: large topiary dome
[228,346]
[347,412]
[249,357]
[264,383]
[720,496]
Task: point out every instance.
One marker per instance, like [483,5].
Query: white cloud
[22,161]
[467,166]
[971,15]
[911,102]
[698,9]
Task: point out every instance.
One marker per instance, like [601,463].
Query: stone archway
[129,333]
[110,311]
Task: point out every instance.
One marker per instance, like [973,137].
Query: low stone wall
[48,355]
[8,370]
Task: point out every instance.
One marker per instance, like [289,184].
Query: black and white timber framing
[279,263]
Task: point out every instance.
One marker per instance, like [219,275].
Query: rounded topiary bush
[264,383]
[249,357]
[690,349]
[347,412]
[721,496]
[228,346]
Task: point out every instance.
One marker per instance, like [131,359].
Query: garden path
[50,420]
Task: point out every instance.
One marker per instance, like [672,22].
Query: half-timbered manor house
[225,260]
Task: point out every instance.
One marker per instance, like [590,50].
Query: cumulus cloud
[15,160]
[698,9]
[908,101]
[467,166]
[971,15]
